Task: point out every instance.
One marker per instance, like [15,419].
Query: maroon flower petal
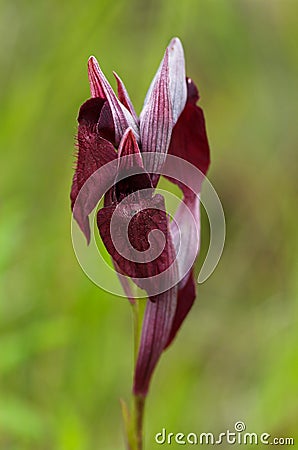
[156,329]
[178,90]
[90,111]
[186,223]
[129,147]
[121,116]
[139,241]
[96,88]
[94,152]
[186,298]
[189,137]
[186,287]
[124,97]
[189,142]
[131,176]
[156,120]
[164,102]
[160,310]
[105,124]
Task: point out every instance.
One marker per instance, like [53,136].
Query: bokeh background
[65,345]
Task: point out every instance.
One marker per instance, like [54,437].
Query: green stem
[134,421]
[139,406]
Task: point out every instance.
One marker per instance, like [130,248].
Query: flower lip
[103,180]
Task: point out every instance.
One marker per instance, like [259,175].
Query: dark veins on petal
[156,329]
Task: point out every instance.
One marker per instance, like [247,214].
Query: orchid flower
[109,129]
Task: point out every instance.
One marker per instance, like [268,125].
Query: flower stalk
[139,409]
[133,423]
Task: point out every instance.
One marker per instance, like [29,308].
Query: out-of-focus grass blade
[20,418]
[18,346]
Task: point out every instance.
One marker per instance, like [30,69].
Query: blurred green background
[65,345]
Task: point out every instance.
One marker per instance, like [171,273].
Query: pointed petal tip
[176,46]
[92,62]
[128,138]
[192,91]
[93,65]
[129,130]
[100,87]
[175,42]
[177,76]
[83,222]
[95,78]
[128,134]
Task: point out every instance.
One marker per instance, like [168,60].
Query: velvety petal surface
[93,153]
[132,240]
[105,124]
[189,137]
